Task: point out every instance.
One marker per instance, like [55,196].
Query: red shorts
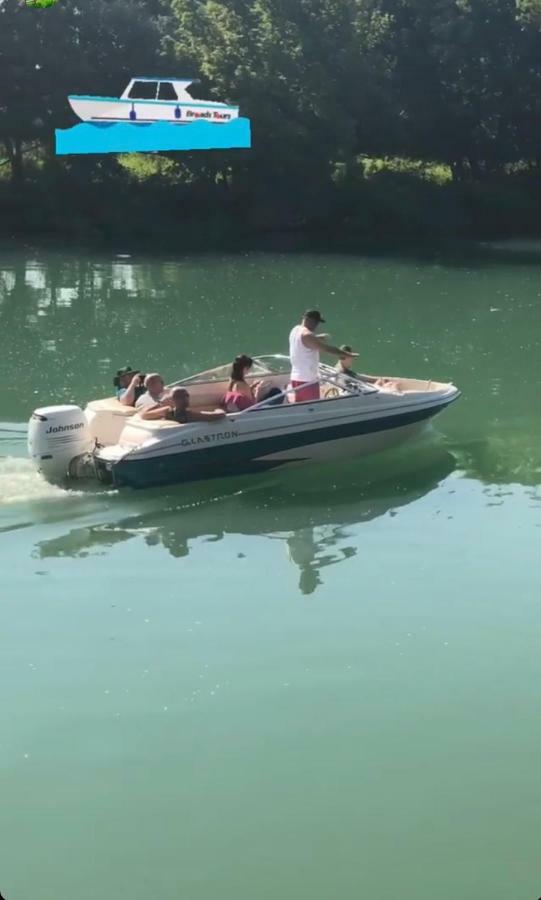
[305,394]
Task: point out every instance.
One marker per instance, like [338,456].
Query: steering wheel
[332,392]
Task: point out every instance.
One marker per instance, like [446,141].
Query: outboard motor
[56,436]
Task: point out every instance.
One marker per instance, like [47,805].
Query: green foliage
[41,4]
[142,166]
[70,49]
[366,114]
[435,172]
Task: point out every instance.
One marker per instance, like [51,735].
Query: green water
[310,685]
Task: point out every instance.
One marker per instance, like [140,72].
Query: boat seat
[111,405]
[106,419]
[154,424]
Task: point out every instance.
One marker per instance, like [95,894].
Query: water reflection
[505,457]
[314,519]
[67,321]
[311,556]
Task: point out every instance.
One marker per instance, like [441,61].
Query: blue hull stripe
[181,103]
[99,119]
[235,459]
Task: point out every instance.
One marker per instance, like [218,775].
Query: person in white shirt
[154,391]
[304,350]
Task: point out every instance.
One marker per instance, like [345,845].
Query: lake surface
[310,685]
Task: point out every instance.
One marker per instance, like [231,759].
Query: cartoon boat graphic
[147,100]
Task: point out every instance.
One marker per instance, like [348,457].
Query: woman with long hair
[241,395]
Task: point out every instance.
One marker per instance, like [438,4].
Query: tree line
[450,87]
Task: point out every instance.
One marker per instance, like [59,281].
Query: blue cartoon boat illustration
[145,117]
[148,99]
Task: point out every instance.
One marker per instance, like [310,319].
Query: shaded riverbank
[102,205]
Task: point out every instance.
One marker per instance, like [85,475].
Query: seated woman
[176,408]
[240,395]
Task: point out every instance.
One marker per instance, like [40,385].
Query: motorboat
[148,100]
[112,443]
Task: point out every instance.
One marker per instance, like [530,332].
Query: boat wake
[20,483]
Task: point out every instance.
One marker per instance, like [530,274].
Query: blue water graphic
[133,137]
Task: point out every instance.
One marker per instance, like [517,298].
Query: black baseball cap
[345,348]
[126,370]
[313,314]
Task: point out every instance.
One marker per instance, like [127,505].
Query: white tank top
[304,360]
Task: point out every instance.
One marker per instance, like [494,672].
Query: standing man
[304,350]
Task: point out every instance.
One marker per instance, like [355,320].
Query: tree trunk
[476,169]
[14,149]
[458,170]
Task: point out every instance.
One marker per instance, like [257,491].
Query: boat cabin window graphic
[166,91]
[152,90]
[149,89]
[143,90]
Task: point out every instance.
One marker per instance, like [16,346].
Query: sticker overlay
[153,113]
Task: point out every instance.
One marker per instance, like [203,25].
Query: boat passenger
[128,384]
[176,408]
[241,395]
[154,391]
[304,349]
[344,363]
[343,367]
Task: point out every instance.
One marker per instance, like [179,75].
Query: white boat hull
[149,454]
[95,109]
[346,448]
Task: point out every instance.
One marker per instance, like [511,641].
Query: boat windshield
[263,365]
[275,364]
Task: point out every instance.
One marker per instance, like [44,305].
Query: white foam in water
[19,482]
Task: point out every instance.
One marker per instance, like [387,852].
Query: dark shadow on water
[452,251]
[309,510]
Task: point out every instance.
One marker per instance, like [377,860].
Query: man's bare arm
[128,397]
[316,343]
[155,412]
